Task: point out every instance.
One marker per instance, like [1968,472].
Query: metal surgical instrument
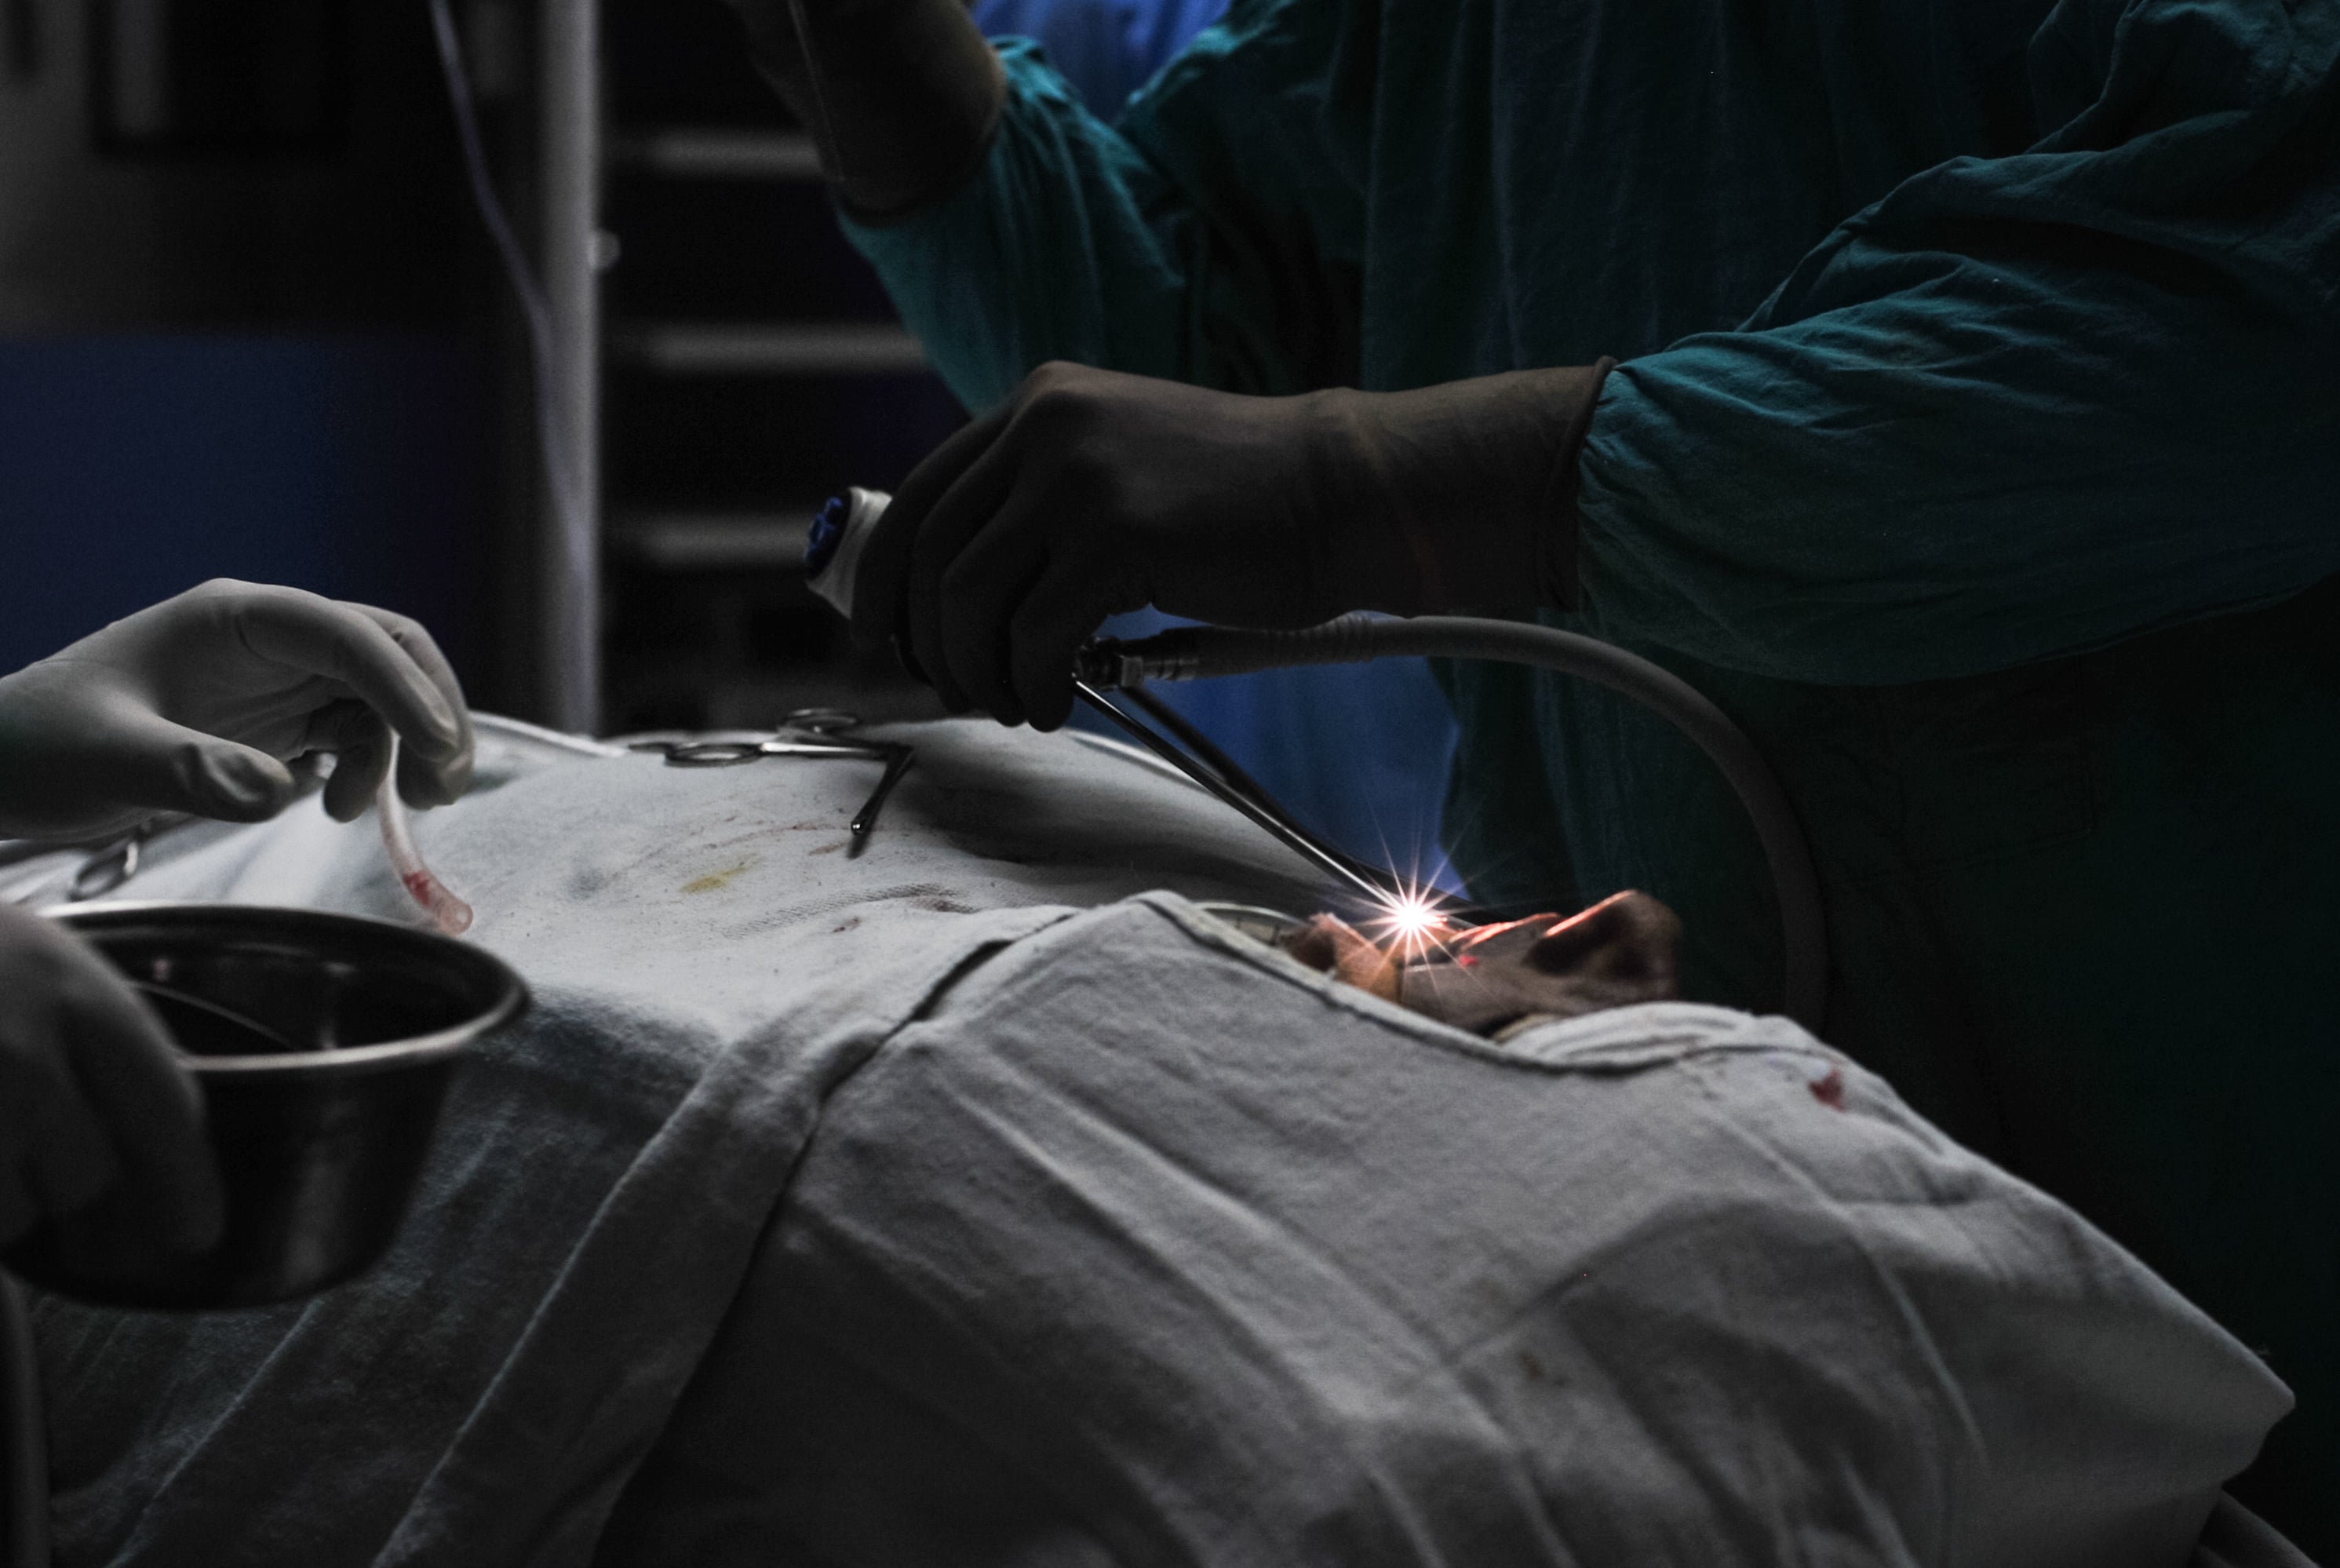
[1200,652]
[1291,834]
[808,732]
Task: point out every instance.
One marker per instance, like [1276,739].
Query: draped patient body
[975,1197]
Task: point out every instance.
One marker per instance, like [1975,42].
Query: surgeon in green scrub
[1950,388]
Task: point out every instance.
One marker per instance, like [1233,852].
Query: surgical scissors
[807,732]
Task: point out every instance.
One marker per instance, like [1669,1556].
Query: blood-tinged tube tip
[447,912]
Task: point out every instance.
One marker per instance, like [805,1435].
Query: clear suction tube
[447,912]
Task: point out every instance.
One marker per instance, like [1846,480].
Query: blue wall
[131,467]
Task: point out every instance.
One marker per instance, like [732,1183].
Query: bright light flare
[1412,923]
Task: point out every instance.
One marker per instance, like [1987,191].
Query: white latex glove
[94,1108]
[197,704]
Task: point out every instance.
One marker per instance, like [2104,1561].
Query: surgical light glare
[1412,922]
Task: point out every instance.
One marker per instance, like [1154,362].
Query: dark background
[249,326]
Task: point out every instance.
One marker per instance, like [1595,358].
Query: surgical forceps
[1252,802]
[807,732]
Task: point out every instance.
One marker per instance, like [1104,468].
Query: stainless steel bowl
[323,1045]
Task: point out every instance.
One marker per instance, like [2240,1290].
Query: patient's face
[1486,978]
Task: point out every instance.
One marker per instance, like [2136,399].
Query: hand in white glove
[97,1118]
[197,704]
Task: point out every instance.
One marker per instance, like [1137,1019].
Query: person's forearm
[2020,407]
[1116,245]
[1055,250]
[1469,490]
[901,96]
[1913,489]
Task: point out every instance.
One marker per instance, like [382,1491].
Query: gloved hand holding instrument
[192,706]
[854,559]
[1091,492]
[195,705]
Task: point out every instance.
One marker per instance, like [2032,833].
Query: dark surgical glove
[97,1118]
[1091,492]
[195,705]
[901,95]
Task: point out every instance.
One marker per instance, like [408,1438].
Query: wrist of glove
[1091,492]
[195,705]
[1471,485]
[901,96]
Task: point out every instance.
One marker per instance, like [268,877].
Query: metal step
[717,153]
[711,541]
[794,348]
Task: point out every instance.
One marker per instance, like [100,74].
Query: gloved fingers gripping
[140,757]
[424,781]
[881,581]
[321,637]
[1063,608]
[976,641]
[359,739]
[980,508]
[975,602]
[148,1104]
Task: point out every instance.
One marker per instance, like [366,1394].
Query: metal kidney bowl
[323,1045]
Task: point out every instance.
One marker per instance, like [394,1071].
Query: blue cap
[827,532]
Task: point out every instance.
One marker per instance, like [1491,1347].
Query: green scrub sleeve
[2018,408]
[1197,238]
[2021,407]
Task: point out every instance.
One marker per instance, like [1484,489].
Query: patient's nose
[1627,936]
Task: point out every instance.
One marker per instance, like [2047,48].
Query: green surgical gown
[1977,445]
